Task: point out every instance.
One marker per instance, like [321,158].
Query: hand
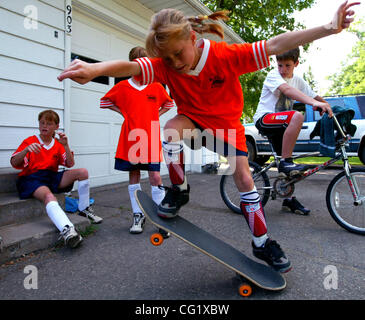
[79,71]
[325,107]
[342,18]
[35,147]
[62,138]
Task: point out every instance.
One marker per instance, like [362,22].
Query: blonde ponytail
[199,24]
[171,24]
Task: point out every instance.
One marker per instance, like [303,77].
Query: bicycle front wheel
[231,195]
[341,203]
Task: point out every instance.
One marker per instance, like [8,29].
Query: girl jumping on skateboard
[202,76]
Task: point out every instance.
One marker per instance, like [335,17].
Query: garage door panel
[89,133]
[85,102]
[115,132]
[120,48]
[100,42]
[96,164]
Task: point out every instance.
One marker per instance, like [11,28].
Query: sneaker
[273,255]
[89,213]
[289,168]
[174,199]
[70,236]
[293,205]
[138,222]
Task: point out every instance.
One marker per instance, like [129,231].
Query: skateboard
[248,270]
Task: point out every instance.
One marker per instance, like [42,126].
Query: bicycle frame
[340,155]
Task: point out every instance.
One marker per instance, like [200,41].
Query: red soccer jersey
[211,95]
[139,140]
[49,158]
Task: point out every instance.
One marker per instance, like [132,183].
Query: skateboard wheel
[245,290]
[156,239]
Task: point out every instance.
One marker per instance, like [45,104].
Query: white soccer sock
[57,215]
[260,241]
[84,194]
[131,189]
[157,194]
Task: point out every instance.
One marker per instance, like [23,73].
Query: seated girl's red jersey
[49,158]
[139,140]
[211,95]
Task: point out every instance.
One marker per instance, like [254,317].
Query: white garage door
[94,132]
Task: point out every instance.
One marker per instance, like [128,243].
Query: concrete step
[13,210]
[8,178]
[38,234]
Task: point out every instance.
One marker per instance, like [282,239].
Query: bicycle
[345,196]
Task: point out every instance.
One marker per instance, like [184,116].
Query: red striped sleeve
[169,104]
[147,72]
[260,54]
[64,158]
[106,103]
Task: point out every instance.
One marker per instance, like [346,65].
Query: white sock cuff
[156,188]
[173,147]
[134,187]
[260,241]
[250,196]
[52,204]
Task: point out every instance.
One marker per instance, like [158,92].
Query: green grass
[320,160]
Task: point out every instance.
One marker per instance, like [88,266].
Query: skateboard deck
[259,274]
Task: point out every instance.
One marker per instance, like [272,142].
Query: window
[116,80]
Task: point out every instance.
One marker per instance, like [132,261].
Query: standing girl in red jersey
[131,100]
[39,157]
[202,76]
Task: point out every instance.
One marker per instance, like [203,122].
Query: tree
[255,20]
[351,78]
[309,78]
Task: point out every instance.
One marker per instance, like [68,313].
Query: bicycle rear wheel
[231,195]
[340,201]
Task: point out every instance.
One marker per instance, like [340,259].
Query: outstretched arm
[82,72]
[316,102]
[290,40]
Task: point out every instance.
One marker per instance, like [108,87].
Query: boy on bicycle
[276,118]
